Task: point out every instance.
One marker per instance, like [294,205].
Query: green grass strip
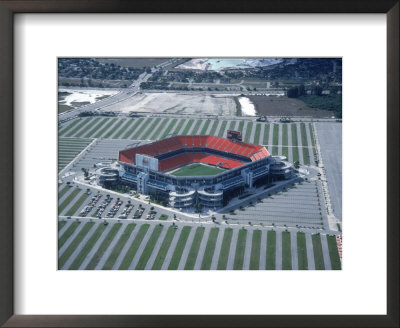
[285,137]
[232,125]
[134,247]
[286,251]
[271,250]
[194,249]
[255,250]
[225,247]
[63,191]
[162,253]
[240,248]
[222,129]
[132,128]
[70,230]
[69,127]
[142,127]
[149,248]
[295,143]
[126,131]
[77,204]
[88,247]
[103,247]
[88,127]
[152,128]
[210,248]
[96,127]
[169,128]
[196,127]
[105,128]
[180,246]
[74,244]
[249,127]
[115,128]
[334,253]
[205,127]
[187,127]
[213,128]
[123,128]
[266,134]
[302,251]
[68,200]
[158,130]
[78,127]
[311,126]
[257,133]
[241,125]
[285,141]
[304,142]
[275,139]
[118,247]
[61,224]
[163,217]
[178,127]
[318,256]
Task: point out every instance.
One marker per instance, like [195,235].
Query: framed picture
[199,163]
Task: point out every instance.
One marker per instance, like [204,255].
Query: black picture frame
[10,7]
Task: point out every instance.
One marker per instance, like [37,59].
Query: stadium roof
[227,146]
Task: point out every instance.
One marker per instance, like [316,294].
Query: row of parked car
[99,211]
[126,211]
[91,204]
[139,213]
[114,209]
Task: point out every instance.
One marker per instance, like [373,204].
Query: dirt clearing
[284,106]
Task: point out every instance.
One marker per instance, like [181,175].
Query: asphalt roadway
[330,140]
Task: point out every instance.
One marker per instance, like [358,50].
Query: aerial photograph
[199,163]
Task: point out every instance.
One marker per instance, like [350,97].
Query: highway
[120,96]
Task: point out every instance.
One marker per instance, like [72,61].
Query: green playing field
[197,170]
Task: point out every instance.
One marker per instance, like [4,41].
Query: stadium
[196,171]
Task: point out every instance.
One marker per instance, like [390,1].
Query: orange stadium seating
[225,146]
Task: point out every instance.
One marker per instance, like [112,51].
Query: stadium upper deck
[181,150]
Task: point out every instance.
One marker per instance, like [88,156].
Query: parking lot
[85,244]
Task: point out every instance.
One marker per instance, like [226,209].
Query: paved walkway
[70,239]
[290,153]
[78,249]
[121,123]
[160,125]
[142,246]
[271,134]
[325,252]
[247,251]
[182,128]
[64,228]
[202,249]
[218,244]
[95,246]
[280,139]
[310,146]
[110,248]
[301,157]
[232,251]
[157,247]
[97,127]
[186,249]
[293,248]
[263,250]
[125,248]
[171,250]
[310,252]
[116,123]
[278,250]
